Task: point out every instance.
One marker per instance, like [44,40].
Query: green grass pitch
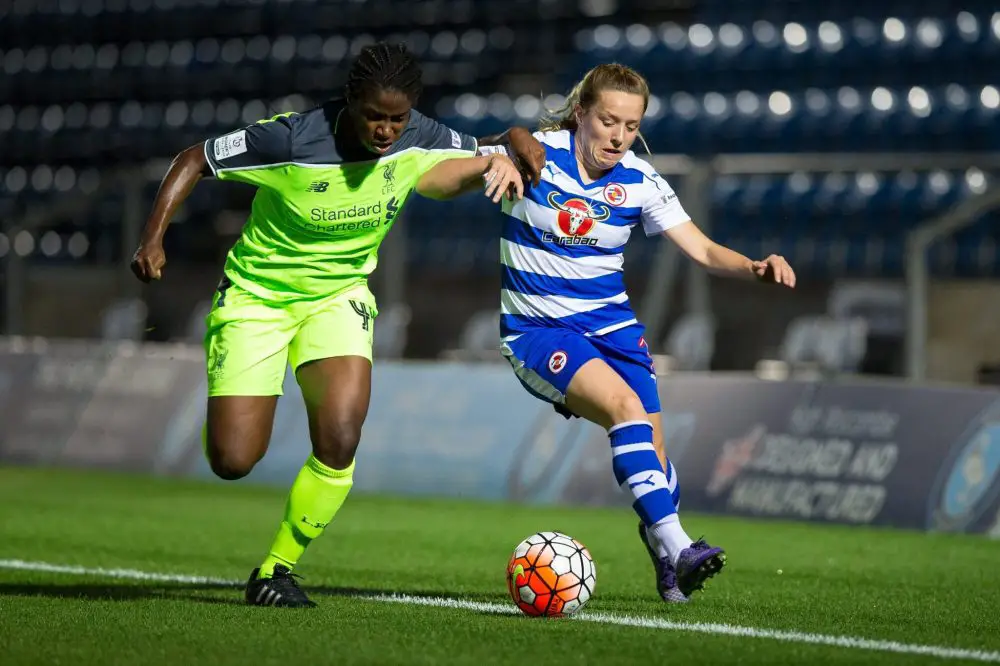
[849,584]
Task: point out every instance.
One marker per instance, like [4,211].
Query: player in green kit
[331,182]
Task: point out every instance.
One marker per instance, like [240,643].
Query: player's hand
[502,177]
[776,270]
[529,153]
[148,261]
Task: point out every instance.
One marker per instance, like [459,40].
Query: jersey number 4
[363,311]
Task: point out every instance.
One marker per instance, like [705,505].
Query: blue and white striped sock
[670,537]
[638,471]
[674,483]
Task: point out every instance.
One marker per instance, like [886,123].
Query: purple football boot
[666,576]
[696,564]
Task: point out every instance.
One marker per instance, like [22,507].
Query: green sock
[315,497]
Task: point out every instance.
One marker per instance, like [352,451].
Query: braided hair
[387,67]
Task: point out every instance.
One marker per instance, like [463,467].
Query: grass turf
[865,583]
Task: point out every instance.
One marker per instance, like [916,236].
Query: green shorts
[250,342]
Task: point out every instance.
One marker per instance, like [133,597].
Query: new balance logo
[318,186]
[224,284]
[363,311]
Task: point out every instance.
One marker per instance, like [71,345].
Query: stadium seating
[690,344]
[825,344]
[391,333]
[478,339]
[87,84]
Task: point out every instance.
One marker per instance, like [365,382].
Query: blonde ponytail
[610,76]
[564,117]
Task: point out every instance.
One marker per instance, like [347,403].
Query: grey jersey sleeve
[256,146]
[432,135]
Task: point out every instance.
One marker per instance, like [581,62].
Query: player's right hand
[502,177]
[148,261]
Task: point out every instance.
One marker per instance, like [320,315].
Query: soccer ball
[551,575]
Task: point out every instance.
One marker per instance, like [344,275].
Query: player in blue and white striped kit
[567,326]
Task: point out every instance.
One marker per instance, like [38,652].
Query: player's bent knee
[230,465]
[626,406]
[336,441]
[231,458]
[237,433]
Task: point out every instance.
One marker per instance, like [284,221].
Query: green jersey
[322,208]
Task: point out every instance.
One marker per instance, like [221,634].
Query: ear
[578,114]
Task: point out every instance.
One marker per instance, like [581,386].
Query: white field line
[850,642]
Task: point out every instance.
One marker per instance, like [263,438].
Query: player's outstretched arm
[525,150]
[185,171]
[723,261]
[453,177]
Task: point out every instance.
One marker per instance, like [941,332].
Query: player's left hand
[776,270]
[529,153]
[501,176]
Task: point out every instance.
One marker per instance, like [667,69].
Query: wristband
[491,150]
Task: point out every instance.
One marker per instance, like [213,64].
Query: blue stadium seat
[81,90]
[890,49]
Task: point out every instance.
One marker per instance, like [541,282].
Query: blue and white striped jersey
[561,245]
